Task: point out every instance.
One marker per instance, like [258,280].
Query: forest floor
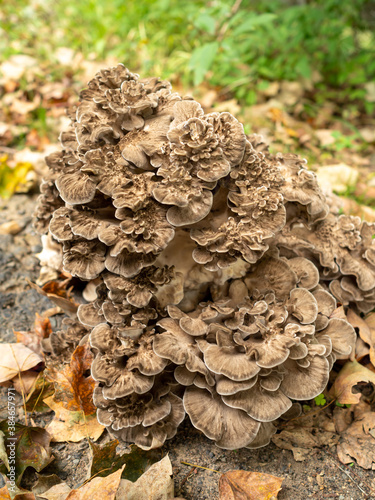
[320,475]
[342,154]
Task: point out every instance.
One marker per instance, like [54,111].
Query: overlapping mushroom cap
[344,249]
[218,265]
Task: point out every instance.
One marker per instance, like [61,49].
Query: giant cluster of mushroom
[217,265]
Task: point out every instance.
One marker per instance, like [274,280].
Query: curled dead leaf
[69,306]
[370,322]
[350,375]
[366,330]
[357,428]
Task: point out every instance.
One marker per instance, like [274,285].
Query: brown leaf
[243,485]
[4,493]
[25,381]
[69,306]
[73,390]
[339,313]
[98,488]
[105,460]
[75,413]
[42,330]
[350,375]
[41,390]
[57,492]
[313,430]
[365,333]
[357,440]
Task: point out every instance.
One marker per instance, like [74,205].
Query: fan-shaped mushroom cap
[303,305]
[84,259]
[153,436]
[305,383]
[89,315]
[62,343]
[179,347]
[265,433]
[226,387]
[260,404]
[272,275]
[229,428]
[342,335]
[306,272]
[228,361]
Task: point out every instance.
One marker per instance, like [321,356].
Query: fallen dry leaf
[98,488]
[313,430]
[44,483]
[11,227]
[32,448]
[370,322]
[16,358]
[366,329]
[42,330]
[243,485]
[12,179]
[350,375]
[4,493]
[56,492]
[105,460]
[73,390]
[69,306]
[41,390]
[72,425]
[155,484]
[75,413]
[24,382]
[357,440]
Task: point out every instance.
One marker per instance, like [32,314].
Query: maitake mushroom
[218,265]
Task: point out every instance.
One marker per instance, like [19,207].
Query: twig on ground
[188,475]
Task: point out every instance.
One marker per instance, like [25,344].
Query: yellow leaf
[72,425]
[99,488]
[12,179]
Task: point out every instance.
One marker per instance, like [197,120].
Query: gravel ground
[320,476]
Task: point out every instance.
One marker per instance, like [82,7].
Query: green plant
[238,46]
[320,400]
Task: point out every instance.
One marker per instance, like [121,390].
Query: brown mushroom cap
[260,404]
[229,428]
[305,383]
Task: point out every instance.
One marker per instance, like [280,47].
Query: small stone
[11,227]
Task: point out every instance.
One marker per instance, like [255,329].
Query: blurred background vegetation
[240,46]
[304,66]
